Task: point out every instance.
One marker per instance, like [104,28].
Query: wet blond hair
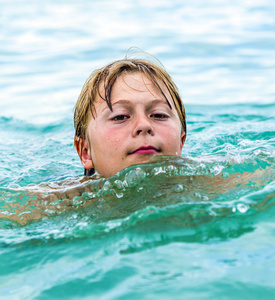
[106,77]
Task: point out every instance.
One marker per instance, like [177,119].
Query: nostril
[148,131]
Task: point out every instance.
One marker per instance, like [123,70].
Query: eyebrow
[154,102]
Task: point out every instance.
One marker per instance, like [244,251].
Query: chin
[144,158]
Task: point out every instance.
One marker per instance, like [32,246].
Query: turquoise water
[196,227]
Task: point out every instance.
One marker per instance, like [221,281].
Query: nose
[142,126]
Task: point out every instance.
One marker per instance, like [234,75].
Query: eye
[159,116]
[120,118]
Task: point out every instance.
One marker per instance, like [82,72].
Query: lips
[145,150]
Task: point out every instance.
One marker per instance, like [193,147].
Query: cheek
[112,139]
[173,137]
[116,135]
[172,133]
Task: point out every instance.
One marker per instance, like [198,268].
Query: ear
[183,136]
[82,149]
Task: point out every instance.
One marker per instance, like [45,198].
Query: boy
[127,112]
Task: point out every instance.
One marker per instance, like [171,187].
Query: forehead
[139,82]
[131,83]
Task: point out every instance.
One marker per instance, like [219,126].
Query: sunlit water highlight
[200,227]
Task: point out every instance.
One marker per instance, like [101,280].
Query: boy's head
[126,112]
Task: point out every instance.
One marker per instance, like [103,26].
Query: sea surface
[197,227]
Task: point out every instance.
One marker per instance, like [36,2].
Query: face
[140,126]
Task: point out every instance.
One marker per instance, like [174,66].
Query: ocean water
[197,227]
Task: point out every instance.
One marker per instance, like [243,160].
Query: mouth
[145,150]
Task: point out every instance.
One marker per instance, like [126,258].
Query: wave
[169,199]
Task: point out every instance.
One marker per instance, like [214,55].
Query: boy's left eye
[159,116]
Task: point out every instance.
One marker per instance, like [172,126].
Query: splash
[196,194]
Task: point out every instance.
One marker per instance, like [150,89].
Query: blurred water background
[139,238]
